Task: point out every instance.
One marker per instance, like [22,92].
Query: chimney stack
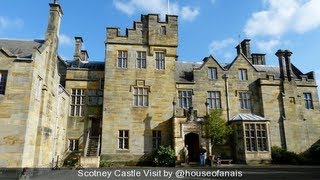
[84,55]
[78,46]
[244,47]
[282,64]
[53,28]
[287,56]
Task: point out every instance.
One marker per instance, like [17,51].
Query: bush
[282,156]
[105,163]
[164,157]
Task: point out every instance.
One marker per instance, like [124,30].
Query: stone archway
[192,140]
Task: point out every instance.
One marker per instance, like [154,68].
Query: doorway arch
[192,140]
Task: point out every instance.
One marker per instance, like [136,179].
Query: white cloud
[282,16]
[308,16]
[6,22]
[268,46]
[156,6]
[216,46]
[65,40]
[188,13]
[124,7]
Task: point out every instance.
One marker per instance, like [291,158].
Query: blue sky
[205,26]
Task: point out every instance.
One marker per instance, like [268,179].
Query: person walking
[202,156]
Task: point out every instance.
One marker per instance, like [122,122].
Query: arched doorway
[192,140]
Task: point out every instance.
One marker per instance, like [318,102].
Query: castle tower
[139,88]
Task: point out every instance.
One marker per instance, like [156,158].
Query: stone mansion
[141,96]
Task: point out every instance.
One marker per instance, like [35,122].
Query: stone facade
[141,97]
[33,119]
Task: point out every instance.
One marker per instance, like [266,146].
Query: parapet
[150,30]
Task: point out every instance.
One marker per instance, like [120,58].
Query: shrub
[282,156]
[105,163]
[164,157]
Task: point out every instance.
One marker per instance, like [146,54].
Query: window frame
[214,99]
[74,143]
[160,60]
[141,61]
[256,142]
[308,102]
[212,73]
[245,100]
[3,81]
[74,105]
[243,74]
[156,139]
[163,30]
[140,96]
[185,99]
[123,139]
[122,59]
[95,94]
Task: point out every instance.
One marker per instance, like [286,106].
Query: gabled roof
[247,117]
[236,58]
[20,48]
[206,59]
[184,71]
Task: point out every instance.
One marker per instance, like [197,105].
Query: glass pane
[145,91]
[126,143]
[120,133]
[145,103]
[120,143]
[126,133]
[140,100]
[135,100]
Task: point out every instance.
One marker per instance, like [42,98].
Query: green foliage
[217,128]
[282,156]
[105,163]
[164,157]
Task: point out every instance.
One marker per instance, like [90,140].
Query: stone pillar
[282,64]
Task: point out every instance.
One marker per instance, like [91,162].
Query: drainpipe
[283,77]
[226,76]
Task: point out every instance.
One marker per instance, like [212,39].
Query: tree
[217,128]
